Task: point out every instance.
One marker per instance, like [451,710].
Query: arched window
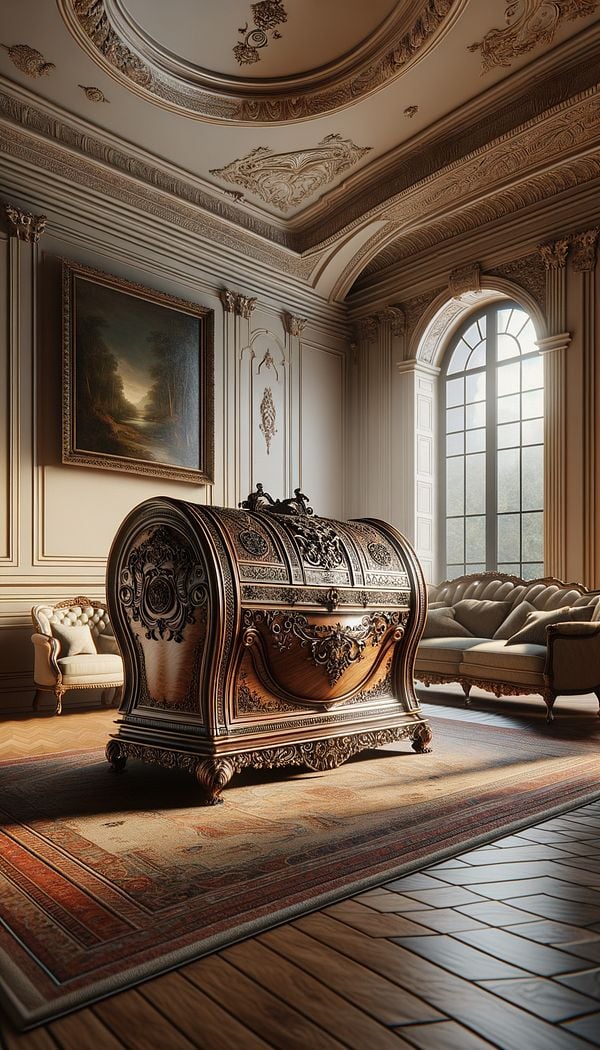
[492,446]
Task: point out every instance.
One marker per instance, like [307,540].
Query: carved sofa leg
[466,688]
[549,698]
[421,739]
[115,756]
[213,775]
[59,692]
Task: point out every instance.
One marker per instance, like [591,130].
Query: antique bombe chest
[265,636]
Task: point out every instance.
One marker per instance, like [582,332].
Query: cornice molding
[24,225]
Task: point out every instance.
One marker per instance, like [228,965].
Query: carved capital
[293,325]
[233,302]
[464,279]
[24,225]
[583,250]
[366,328]
[554,253]
[395,316]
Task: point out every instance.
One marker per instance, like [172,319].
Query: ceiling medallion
[286,179]
[112,38]
[93,94]
[529,23]
[267,15]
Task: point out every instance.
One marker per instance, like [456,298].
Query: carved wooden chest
[264,636]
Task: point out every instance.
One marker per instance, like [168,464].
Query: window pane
[507,347]
[527,339]
[533,431]
[472,336]
[455,539]
[503,317]
[533,404]
[455,419]
[475,538]
[475,496]
[509,477]
[509,435]
[459,358]
[455,570]
[475,440]
[509,538]
[455,443]
[533,477]
[533,373]
[455,503]
[532,537]
[517,322]
[511,569]
[455,394]
[476,415]
[509,379]
[533,570]
[509,408]
[477,358]
[480,567]
[476,387]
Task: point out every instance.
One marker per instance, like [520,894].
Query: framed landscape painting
[137,378]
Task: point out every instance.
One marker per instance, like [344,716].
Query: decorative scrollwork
[253,542]
[379,553]
[332,646]
[162,585]
[261,500]
[268,14]
[319,544]
[268,416]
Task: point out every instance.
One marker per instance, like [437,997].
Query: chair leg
[37,700]
[549,698]
[59,693]
[466,688]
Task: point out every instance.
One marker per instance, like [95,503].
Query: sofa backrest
[75,612]
[542,594]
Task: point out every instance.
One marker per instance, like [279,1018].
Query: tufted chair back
[542,594]
[74,612]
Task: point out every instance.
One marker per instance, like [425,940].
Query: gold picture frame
[137,378]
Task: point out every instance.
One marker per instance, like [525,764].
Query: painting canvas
[137,372]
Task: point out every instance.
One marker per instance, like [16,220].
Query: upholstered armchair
[74,648]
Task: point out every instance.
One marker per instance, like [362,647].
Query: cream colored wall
[563,293]
[57,521]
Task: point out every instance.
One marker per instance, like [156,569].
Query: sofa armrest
[573,656]
[45,669]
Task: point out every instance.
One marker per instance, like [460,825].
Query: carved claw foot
[114,756]
[213,775]
[421,739]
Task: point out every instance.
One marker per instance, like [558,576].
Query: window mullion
[491,483]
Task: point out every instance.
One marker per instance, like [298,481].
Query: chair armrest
[45,669]
[573,656]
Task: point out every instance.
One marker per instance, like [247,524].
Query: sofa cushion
[441,623]
[534,629]
[84,666]
[107,643]
[496,658]
[480,615]
[442,655]
[515,620]
[74,640]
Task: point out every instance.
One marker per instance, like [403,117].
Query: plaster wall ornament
[396,318]
[286,179]
[269,363]
[366,328]
[171,81]
[529,272]
[28,60]
[268,417]
[294,325]
[410,111]
[268,14]
[464,279]
[554,253]
[234,302]
[93,94]
[583,250]
[25,226]
[529,24]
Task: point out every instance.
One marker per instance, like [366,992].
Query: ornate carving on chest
[318,542]
[333,647]
[253,543]
[380,554]
[161,585]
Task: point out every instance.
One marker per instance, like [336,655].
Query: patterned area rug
[110,879]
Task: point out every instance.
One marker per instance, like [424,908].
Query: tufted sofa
[74,648]
[511,636]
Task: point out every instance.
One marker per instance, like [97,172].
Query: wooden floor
[498,947]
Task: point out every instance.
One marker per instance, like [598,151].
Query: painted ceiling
[324,129]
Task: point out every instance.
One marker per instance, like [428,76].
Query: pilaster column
[237,310]
[553,348]
[25,230]
[414,482]
[583,259]
[294,327]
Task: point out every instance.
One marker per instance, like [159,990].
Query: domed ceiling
[327,138]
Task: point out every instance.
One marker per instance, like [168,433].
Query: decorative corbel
[554,253]
[293,325]
[583,250]
[464,279]
[234,302]
[395,316]
[24,225]
[366,328]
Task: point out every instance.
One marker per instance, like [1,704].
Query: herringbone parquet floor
[498,947]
